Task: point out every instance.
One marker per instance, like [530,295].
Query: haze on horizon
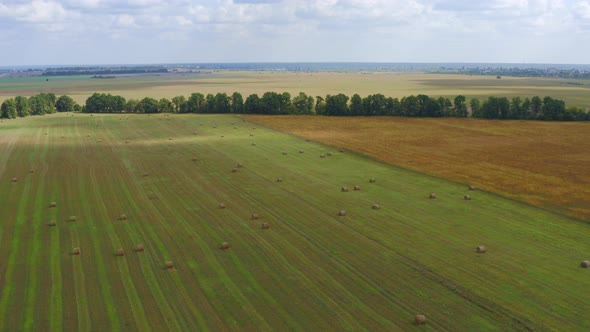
[48,32]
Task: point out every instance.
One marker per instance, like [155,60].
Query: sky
[59,32]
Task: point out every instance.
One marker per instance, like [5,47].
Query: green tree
[445,106]
[320,105]
[270,103]
[218,103]
[237,103]
[536,107]
[525,108]
[516,111]
[180,104]
[165,106]
[460,106]
[337,105]
[475,105]
[105,103]
[196,103]
[495,108]
[553,109]
[43,103]
[252,104]
[147,105]
[23,108]
[130,105]
[8,109]
[286,104]
[65,104]
[303,104]
[409,106]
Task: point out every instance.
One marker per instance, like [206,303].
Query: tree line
[273,103]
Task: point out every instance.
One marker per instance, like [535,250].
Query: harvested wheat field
[393,255]
[541,163]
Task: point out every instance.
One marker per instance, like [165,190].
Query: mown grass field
[573,92]
[542,163]
[312,270]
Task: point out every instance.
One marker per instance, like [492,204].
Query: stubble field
[542,163]
[373,269]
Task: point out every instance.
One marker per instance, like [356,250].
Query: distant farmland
[397,85]
[372,269]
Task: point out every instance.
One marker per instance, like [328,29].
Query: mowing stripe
[56,302]
[33,274]
[135,304]
[8,287]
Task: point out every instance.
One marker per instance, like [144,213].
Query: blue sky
[156,31]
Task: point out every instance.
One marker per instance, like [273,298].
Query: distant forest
[273,103]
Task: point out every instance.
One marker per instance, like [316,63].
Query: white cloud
[281,30]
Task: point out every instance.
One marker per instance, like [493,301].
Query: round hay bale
[420,319]
[342,213]
[472,187]
[122,217]
[52,204]
[329,154]
[52,223]
[265,225]
[15,179]
[322,156]
[251,134]
[234,170]
[99,141]
[372,180]
[467,197]
[481,249]
[72,219]
[235,127]
[307,140]
[357,188]
[341,150]
[254,144]
[432,195]
[344,189]
[279,179]
[585,264]
[76,251]
[224,246]
[376,207]
[284,153]
[138,248]
[88,135]
[127,141]
[31,171]
[240,165]
[120,252]
[169,138]
[194,159]
[222,205]
[194,132]
[169,265]
[221,136]
[145,174]
[300,151]
[255,216]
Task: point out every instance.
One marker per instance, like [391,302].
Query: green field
[573,92]
[311,271]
